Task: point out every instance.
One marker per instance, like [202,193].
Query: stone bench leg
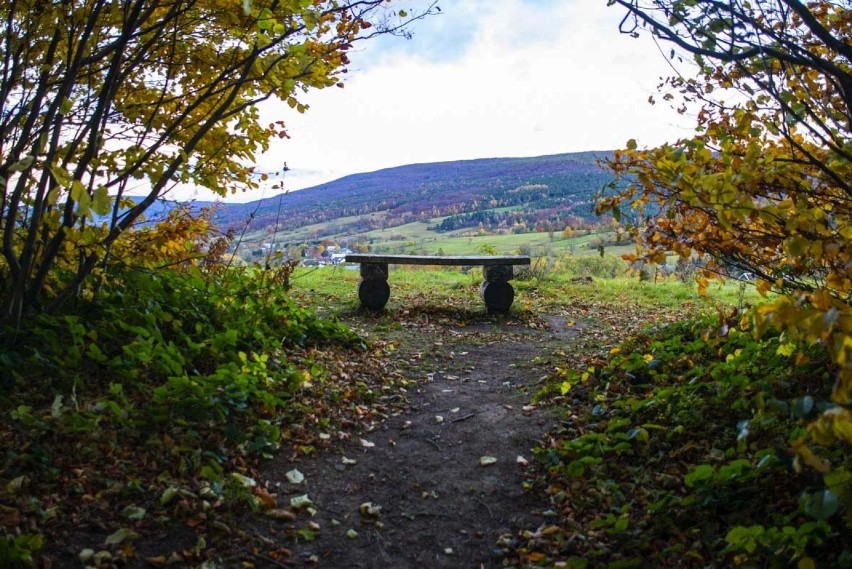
[374,290]
[495,289]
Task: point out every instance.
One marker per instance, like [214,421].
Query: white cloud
[528,78]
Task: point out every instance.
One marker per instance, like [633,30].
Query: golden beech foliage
[765,186]
[99,99]
[178,241]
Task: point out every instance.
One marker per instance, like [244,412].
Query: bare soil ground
[440,506]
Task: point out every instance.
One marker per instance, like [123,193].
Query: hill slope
[513,191]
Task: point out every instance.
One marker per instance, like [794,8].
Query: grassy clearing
[544,288]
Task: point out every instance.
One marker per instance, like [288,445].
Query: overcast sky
[485,78]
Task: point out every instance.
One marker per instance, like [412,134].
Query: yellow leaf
[101,202]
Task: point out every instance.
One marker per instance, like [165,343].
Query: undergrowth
[678,452]
[162,394]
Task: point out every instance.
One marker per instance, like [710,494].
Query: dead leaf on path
[487,460]
[133,512]
[301,501]
[168,495]
[266,499]
[367,444]
[370,509]
[281,514]
[295,477]
[120,536]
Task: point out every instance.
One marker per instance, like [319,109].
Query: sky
[484,79]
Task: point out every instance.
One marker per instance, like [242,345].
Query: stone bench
[498,294]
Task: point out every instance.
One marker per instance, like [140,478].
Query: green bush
[685,435]
[167,349]
[605,267]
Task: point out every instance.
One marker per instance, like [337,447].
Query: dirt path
[439,505]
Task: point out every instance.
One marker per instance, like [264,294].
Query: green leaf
[307,534]
[617,424]
[65,106]
[61,175]
[168,495]
[265,20]
[81,196]
[576,468]
[701,472]
[101,202]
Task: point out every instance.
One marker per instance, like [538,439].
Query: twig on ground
[481,501]
[431,442]
[464,418]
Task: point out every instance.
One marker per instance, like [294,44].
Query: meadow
[545,284]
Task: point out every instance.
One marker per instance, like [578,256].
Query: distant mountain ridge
[561,184]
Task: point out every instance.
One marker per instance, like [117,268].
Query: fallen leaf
[367,444]
[120,536]
[244,480]
[348,461]
[487,460]
[300,501]
[351,534]
[168,495]
[14,486]
[281,514]
[521,460]
[133,512]
[266,499]
[295,477]
[370,509]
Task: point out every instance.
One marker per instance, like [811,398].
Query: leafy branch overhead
[103,98]
[764,186]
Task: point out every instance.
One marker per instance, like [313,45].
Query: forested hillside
[515,192]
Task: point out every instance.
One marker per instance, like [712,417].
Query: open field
[418,238]
[535,244]
[543,288]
